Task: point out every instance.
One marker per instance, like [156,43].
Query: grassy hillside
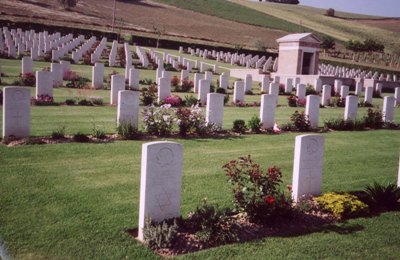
[234,12]
[314,18]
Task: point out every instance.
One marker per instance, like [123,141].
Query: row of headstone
[83,49]
[96,55]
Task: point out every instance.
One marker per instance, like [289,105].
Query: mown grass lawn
[75,201]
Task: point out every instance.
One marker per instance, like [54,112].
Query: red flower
[269,200]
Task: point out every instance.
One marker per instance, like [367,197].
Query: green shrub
[70,102]
[98,133]
[59,133]
[381,197]
[160,235]
[300,121]
[98,101]
[310,90]
[374,119]
[128,131]
[190,100]
[80,138]
[85,102]
[342,205]
[213,225]
[340,124]
[239,126]
[256,192]
[255,124]
[149,95]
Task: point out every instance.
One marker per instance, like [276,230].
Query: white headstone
[66,66]
[133,78]
[350,111]
[164,88]
[312,109]
[307,168]
[184,75]
[98,75]
[344,91]
[301,91]
[238,91]
[338,84]
[128,107]
[26,65]
[318,85]
[58,74]
[369,91]
[397,96]
[267,111]
[44,83]
[274,89]
[204,89]
[289,86]
[378,88]
[196,81]
[117,84]
[248,82]
[265,84]
[223,81]
[388,108]
[160,182]
[208,76]
[215,109]
[326,95]
[16,111]
[359,86]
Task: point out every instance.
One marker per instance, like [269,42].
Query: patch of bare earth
[141,16]
[392,25]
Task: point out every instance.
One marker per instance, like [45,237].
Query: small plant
[292,101]
[174,101]
[300,121]
[146,81]
[342,205]
[191,120]
[249,92]
[186,86]
[213,225]
[128,131]
[97,132]
[175,81]
[85,102]
[190,100]
[160,235]
[310,90]
[80,138]
[374,119]
[27,79]
[98,101]
[59,133]
[70,102]
[239,126]
[338,101]
[149,95]
[340,124]
[158,120]
[383,197]
[255,124]
[363,103]
[256,192]
[43,100]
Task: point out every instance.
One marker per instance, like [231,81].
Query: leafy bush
[175,81]
[381,197]
[338,101]
[43,100]
[146,81]
[255,124]
[342,205]
[300,121]
[27,79]
[344,125]
[128,131]
[292,101]
[374,119]
[191,100]
[191,120]
[213,225]
[185,86]
[173,100]
[158,120]
[97,132]
[160,235]
[70,102]
[59,133]
[363,103]
[310,90]
[85,102]
[98,101]
[256,192]
[80,138]
[239,126]
[149,95]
